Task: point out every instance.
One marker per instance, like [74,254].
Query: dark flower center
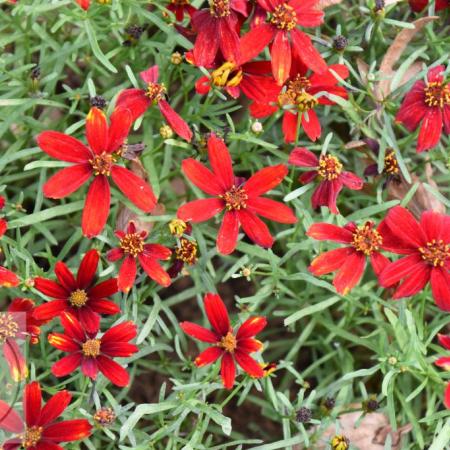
[78,298]
[228,342]
[8,327]
[235,198]
[435,253]
[390,163]
[132,244]
[297,94]
[436,94]
[366,239]
[284,17]
[220,8]
[187,251]
[31,437]
[101,164]
[155,92]
[329,167]
[91,348]
[227,75]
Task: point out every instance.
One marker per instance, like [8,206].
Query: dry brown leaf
[369,433]
[412,71]
[354,144]
[363,69]
[394,53]
[327,3]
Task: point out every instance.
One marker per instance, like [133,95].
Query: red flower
[242,201]
[3,222]
[299,95]
[444,363]
[139,100]
[8,278]
[40,430]
[349,261]
[427,105]
[419,5]
[98,160]
[180,7]
[131,246]
[93,353]
[84,4]
[232,347]
[426,245]
[287,40]
[18,324]
[80,296]
[332,178]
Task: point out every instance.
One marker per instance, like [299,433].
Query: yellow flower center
[105,416]
[227,75]
[297,94]
[284,17]
[91,348]
[329,167]
[132,244]
[219,8]
[390,163]
[235,198]
[101,164]
[177,227]
[31,437]
[228,342]
[155,92]
[8,327]
[435,253]
[78,298]
[366,239]
[436,94]
[187,251]
[340,442]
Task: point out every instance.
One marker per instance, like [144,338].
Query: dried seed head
[340,43]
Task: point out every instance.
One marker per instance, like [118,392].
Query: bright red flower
[93,353]
[80,296]
[40,430]
[287,40]
[139,100]
[427,104]
[231,346]
[444,363]
[18,324]
[420,5]
[8,278]
[99,161]
[426,245]
[240,199]
[350,261]
[332,177]
[298,96]
[180,7]
[3,222]
[132,246]
[84,4]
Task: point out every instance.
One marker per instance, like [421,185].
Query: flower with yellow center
[187,251]
[366,239]
[155,92]
[329,167]
[437,94]
[78,298]
[390,163]
[91,348]
[220,8]
[284,17]
[435,253]
[228,342]
[227,75]
[132,244]
[101,164]
[235,199]
[8,327]
[31,437]
[177,227]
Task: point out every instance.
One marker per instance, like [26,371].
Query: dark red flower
[131,246]
[298,96]
[93,353]
[180,7]
[281,29]
[8,278]
[3,222]
[330,172]
[231,346]
[426,245]
[40,429]
[99,161]
[80,296]
[242,201]
[186,248]
[139,100]
[419,5]
[361,242]
[444,363]
[427,104]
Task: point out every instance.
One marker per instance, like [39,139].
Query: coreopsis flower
[139,100]
[180,8]
[98,161]
[444,363]
[17,324]
[298,96]
[391,169]
[80,296]
[231,346]
[186,248]
[241,200]
[420,5]
[132,247]
[8,278]
[105,416]
[40,428]
[426,246]
[92,352]
[281,29]
[427,104]
[361,243]
[331,174]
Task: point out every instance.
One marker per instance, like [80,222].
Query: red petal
[217,314]
[417,279]
[433,224]
[271,209]
[440,286]
[10,421]
[63,342]
[444,340]
[228,39]
[96,207]
[72,327]
[65,276]
[157,251]
[66,365]
[208,356]
[399,269]
[121,121]
[289,126]
[255,41]
[351,181]
[104,289]
[154,270]
[329,261]
[328,232]
[250,345]
[447,396]
[228,233]
[228,371]
[113,371]
[89,320]
[134,100]
[326,194]
[202,177]
[67,180]
[207,42]
[134,188]
[248,364]
[104,306]
[379,262]
[403,224]
[281,57]
[123,332]
[119,349]
[114,254]
[175,121]
[54,407]
[8,278]
[312,125]
[430,130]
[15,360]
[68,430]
[127,274]
[63,147]
[308,12]
[220,160]
[350,273]
[87,269]
[255,228]
[150,75]
[306,51]
[302,157]
[89,368]
[97,130]
[50,288]
[251,327]
[200,210]
[199,332]
[265,180]
[50,310]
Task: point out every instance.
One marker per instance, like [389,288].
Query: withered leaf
[327,3]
